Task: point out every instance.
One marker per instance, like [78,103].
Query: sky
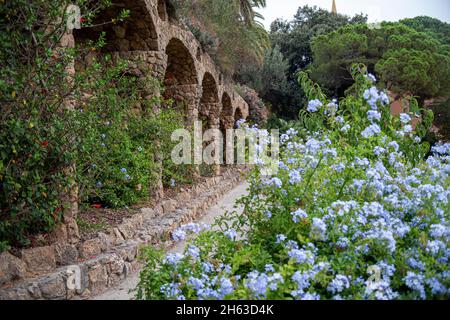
[378,10]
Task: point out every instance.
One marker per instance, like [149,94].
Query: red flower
[82,20]
[97,206]
[57,210]
[44,143]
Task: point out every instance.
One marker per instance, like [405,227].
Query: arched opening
[180,80]
[162,11]
[237,115]
[209,102]
[226,120]
[209,116]
[135,33]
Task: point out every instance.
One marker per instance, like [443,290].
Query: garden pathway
[122,292]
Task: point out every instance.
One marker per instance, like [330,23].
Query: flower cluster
[346,217]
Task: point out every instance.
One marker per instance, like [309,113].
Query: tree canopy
[406,61]
[294,41]
[434,27]
[230,31]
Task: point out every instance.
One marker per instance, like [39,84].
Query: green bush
[354,212]
[59,129]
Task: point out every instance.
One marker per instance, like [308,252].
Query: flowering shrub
[355,212]
[95,128]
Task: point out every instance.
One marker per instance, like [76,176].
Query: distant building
[333,8]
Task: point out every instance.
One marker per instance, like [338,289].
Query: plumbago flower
[361,213]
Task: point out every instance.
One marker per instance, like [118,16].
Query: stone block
[11,268]
[39,260]
[90,248]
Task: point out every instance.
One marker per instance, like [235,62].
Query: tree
[269,80]
[294,40]
[434,27]
[406,61]
[247,9]
[294,37]
[230,31]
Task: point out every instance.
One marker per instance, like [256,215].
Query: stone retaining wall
[102,262]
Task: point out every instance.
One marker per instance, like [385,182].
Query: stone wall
[103,261]
[154,40]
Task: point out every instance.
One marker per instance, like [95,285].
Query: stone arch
[136,33]
[180,65]
[226,116]
[238,115]
[209,109]
[209,102]
[226,120]
[180,79]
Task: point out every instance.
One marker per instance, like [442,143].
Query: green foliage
[294,40]
[58,129]
[37,132]
[437,29]
[407,61]
[342,203]
[269,80]
[230,31]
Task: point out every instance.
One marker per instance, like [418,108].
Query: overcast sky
[378,10]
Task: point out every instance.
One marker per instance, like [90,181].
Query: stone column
[68,231]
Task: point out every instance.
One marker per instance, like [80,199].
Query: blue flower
[371,77]
[123,170]
[314,105]
[231,234]
[299,215]
[280,238]
[179,235]
[173,258]
[171,290]
[268,214]
[405,118]
[294,177]
[373,115]
[415,282]
[257,283]
[345,128]
[371,131]
[407,129]
[318,229]
[301,256]
[269,268]
[339,284]
[343,243]
[226,287]
[276,182]
[193,252]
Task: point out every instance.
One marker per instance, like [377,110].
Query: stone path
[227,203]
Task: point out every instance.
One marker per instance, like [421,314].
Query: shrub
[355,212]
[58,129]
